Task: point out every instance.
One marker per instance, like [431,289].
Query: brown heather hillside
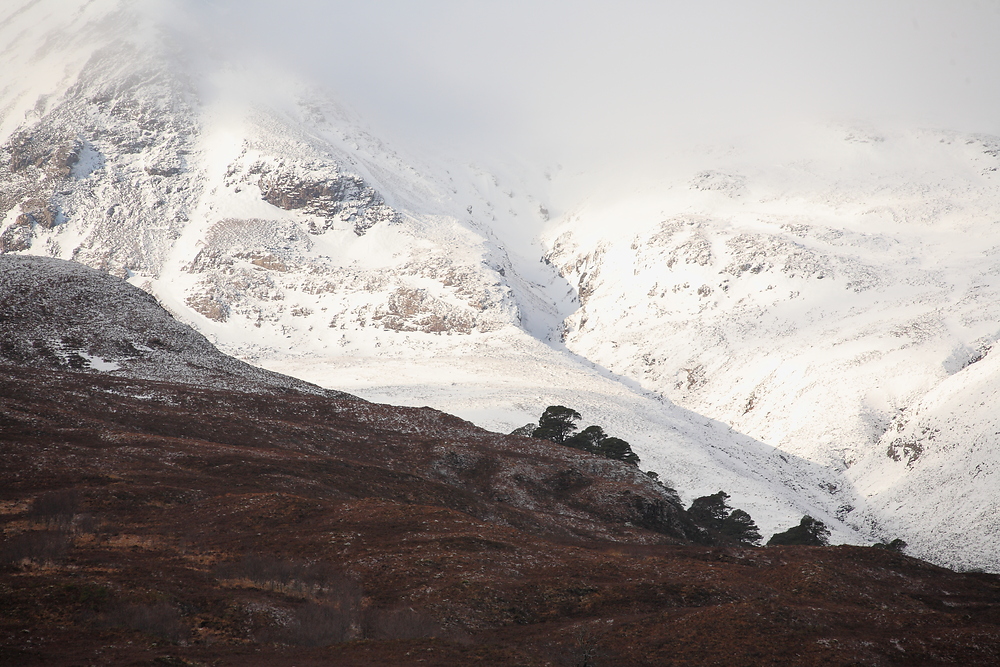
[148,523]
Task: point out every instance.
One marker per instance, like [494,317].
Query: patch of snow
[99,364]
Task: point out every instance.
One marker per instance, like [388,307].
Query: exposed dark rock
[343,197]
[15,238]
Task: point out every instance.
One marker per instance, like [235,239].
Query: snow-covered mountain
[841,307]
[810,337]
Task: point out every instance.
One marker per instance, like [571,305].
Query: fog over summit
[601,83]
[597,87]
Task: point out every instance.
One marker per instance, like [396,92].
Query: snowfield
[808,330]
[827,307]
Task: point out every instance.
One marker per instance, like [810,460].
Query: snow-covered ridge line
[63,315]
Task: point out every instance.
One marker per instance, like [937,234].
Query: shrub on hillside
[898,545]
[810,532]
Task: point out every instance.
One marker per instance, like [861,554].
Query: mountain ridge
[59,314]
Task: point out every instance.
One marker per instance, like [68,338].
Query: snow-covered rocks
[819,311]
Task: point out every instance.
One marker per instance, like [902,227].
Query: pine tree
[589,439]
[711,511]
[619,450]
[714,512]
[739,526]
[898,545]
[556,423]
[810,531]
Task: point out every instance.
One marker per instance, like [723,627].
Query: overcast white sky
[620,78]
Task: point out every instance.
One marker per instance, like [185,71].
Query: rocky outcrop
[101,173]
[59,314]
[340,197]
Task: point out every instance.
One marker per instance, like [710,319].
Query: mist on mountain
[616,87]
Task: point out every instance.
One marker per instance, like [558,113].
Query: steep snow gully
[812,337]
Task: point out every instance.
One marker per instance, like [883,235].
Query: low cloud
[599,83]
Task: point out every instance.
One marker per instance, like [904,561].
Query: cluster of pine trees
[559,424]
[810,531]
[714,512]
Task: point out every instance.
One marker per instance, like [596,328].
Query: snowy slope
[934,474]
[506,379]
[815,305]
[266,216]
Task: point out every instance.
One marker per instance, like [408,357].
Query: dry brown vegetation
[149,523]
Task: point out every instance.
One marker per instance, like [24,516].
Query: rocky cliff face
[101,172]
[138,165]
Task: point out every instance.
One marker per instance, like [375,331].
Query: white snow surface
[782,328]
[841,307]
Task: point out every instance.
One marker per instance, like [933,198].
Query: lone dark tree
[710,511]
[810,531]
[739,526]
[556,424]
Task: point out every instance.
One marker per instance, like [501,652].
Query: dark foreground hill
[147,522]
[154,523]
